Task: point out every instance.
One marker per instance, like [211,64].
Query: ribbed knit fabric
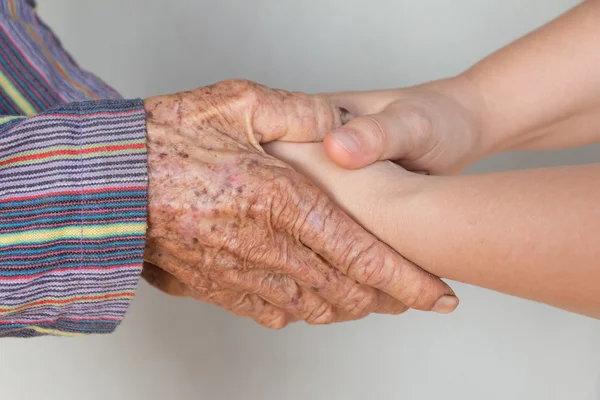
[73,187]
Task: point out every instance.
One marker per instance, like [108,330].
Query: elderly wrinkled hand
[233,226]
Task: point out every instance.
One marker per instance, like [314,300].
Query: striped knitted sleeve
[73,188]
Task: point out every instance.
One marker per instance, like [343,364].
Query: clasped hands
[231,225]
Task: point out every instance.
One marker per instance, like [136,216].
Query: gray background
[492,347]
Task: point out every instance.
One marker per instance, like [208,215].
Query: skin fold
[233,226]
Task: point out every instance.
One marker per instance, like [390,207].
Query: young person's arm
[533,234]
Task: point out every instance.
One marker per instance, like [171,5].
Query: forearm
[543,91]
[533,234]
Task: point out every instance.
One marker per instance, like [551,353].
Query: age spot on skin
[179,105]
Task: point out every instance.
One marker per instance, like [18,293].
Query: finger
[401,134]
[286,294]
[254,111]
[271,114]
[311,271]
[284,255]
[241,304]
[348,247]
[295,117]
[253,306]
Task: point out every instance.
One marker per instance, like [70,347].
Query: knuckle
[290,292]
[276,321]
[289,202]
[275,287]
[246,91]
[368,266]
[322,314]
[316,221]
[239,94]
[286,196]
[273,197]
[249,96]
[243,302]
[265,284]
[222,298]
[233,84]
[361,302]
[414,298]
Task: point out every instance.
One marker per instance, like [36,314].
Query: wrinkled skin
[233,226]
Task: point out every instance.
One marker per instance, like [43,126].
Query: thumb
[400,134]
[295,116]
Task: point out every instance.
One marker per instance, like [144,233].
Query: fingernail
[445,304]
[347,140]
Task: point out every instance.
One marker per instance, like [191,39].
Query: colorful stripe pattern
[73,188]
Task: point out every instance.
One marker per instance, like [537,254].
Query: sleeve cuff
[72,231]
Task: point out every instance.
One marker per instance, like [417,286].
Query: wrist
[499,127]
[162,164]
[151,139]
[468,92]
